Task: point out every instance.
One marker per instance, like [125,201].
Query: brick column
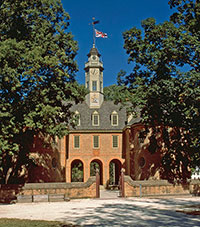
[68,172]
[97,184]
[122,188]
[86,171]
[105,173]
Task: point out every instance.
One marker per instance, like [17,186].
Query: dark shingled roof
[94,51]
[104,112]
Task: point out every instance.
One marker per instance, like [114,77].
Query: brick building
[96,142]
[104,138]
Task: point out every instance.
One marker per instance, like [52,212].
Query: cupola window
[94,85]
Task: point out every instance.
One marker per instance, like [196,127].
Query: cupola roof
[94,51]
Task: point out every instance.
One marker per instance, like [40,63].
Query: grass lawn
[5,222]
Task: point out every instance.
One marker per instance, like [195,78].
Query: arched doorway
[77,171]
[114,171]
[94,165]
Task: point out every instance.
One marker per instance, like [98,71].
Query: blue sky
[115,16]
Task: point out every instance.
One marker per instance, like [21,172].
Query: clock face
[94,57]
[94,99]
[94,71]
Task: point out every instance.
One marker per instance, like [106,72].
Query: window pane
[101,86]
[94,85]
[96,119]
[76,141]
[114,119]
[115,141]
[96,141]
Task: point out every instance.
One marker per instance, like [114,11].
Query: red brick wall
[49,161]
[86,153]
[33,190]
[159,187]
[136,151]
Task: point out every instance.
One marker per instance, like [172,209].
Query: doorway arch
[114,171]
[94,165]
[77,174]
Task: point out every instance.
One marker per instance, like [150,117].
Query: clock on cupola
[94,79]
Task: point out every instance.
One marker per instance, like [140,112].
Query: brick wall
[159,187]
[48,192]
[86,153]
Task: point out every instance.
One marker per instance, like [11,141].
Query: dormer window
[78,118]
[95,118]
[114,118]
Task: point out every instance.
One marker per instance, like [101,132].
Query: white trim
[114,114]
[95,114]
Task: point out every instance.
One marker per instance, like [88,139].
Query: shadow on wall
[159,153]
[144,165]
[46,165]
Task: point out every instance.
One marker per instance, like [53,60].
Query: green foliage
[117,93]
[165,83]
[93,168]
[37,78]
[77,172]
[111,173]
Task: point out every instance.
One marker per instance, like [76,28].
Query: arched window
[114,118]
[95,118]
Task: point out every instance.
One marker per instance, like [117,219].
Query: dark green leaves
[37,76]
[165,83]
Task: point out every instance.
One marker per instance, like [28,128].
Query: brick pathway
[109,194]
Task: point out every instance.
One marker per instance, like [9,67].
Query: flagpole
[93,32]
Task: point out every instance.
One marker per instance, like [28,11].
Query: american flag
[100,34]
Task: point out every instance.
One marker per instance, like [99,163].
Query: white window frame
[114,114]
[77,115]
[95,114]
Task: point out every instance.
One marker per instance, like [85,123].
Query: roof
[94,51]
[105,112]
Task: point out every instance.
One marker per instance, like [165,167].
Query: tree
[77,172]
[165,84]
[37,79]
[117,93]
